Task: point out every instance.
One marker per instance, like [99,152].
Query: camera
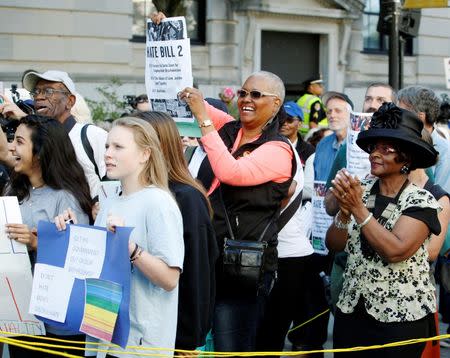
[28,108]
[133,101]
[130,100]
[9,126]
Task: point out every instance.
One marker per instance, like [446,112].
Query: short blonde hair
[155,171]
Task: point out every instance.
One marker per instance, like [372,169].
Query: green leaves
[111,106]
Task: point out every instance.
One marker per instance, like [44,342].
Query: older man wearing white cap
[53,93]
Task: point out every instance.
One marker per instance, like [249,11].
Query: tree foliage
[171,7]
[111,106]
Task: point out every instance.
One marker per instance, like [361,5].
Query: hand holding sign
[168,65]
[194,98]
[157,17]
[66,217]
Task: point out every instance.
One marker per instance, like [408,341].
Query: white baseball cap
[31,78]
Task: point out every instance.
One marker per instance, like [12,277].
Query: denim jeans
[237,318]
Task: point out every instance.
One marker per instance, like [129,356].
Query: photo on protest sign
[173,107]
[357,160]
[173,28]
[360,121]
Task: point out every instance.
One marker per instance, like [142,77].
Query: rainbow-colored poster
[101,308]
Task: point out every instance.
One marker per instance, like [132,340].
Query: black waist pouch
[243,263]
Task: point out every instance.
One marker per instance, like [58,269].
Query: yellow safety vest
[305,102]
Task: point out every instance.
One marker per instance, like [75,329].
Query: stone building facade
[93,41]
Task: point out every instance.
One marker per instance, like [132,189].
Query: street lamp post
[394,41]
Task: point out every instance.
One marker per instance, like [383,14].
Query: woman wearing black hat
[384,226]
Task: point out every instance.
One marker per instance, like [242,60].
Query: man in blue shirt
[338,107]
[314,335]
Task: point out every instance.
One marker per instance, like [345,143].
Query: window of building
[374,42]
[195,13]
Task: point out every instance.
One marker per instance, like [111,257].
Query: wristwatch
[206,123]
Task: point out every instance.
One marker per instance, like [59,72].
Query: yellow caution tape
[37,346]
[310,320]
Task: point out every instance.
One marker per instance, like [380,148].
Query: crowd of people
[221,248]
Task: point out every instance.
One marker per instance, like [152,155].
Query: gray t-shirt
[45,203]
[158,229]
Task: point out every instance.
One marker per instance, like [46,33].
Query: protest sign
[168,67]
[447,71]
[50,296]
[321,220]
[357,160]
[77,266]
[15,277]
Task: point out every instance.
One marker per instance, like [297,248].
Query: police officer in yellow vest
[311,104]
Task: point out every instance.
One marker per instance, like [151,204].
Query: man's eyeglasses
[384,149]
[47,92]
[290,119]
[242,93]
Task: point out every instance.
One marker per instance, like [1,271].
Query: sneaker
[445,343]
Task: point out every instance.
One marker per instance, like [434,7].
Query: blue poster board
[52,250]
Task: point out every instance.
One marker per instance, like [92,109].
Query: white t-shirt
[97,139]
[158,229]
[293,241]
[309,177]
[196,161]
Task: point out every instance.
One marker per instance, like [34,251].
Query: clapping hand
[348,191]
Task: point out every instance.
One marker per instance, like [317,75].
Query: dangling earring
[404,169]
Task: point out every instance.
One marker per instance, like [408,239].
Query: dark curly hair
[58,161]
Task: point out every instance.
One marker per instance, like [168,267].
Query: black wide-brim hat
[403,127]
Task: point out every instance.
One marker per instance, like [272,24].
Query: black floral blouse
[392,292]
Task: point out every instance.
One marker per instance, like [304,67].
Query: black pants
[444,296]
[360,329]
[298,295]
[18,352]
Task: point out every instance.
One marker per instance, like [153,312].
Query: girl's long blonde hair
[155,171]
[171,147]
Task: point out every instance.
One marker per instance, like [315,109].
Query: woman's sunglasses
[242,93]
[381,148]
